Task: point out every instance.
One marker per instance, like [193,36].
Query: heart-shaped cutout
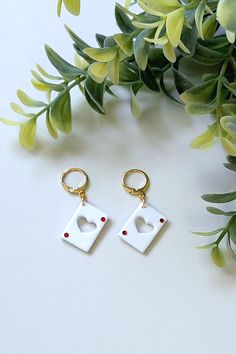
[85,225]
[142,226]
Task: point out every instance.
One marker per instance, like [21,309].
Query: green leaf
[27,135]
[28,101]
[61,116]
[229,109]
[232,163]
[199,108]
[134,104]
[230,86]
[94,94]
[207,56]
[219,198]
[73,6]
[149,79]
[217,211]
[232,231]
[182,83]
[209,26]
[189,38]
[208,246]
[210,233]
[80,44]
[52,131]
[141,48]
[125,42]
[230,248]
[128,75]
[203,93]
[206,139]
[10,122]
[199,14]
[102,55]
[166,91]
[67,70]
[123,21]
[217,257]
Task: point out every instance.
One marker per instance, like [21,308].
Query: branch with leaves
[163,38]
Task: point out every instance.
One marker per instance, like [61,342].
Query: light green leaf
[16,108]
[206,139]
[217,211]
[229,109]
[199,14]
[203,93]
[125,42]
[230,86]
[52,131]
[28,101]
[155,7]
[174,26]
[59,5]
[218,257]
[102,55]
[114,70]
[98,71]
[10,122]
[27,135]
[210,233]
[61,116]
[226,10]
[73,6]
[228,123]
[219,198]
[229,147]
[169,52]
[46,74]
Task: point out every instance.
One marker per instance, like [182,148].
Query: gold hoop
[140,192]
[79,190]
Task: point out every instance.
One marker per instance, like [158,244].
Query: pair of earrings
[130,232]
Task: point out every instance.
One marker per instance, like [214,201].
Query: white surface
[54,298]
[135,236]
[84,238]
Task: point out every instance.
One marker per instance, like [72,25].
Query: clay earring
[145,222]
[87,222]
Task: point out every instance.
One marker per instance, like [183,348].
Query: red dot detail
[66,235]
[162,220]
[103,219]
[124,233]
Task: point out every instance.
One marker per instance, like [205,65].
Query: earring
[145,222]
[87,222]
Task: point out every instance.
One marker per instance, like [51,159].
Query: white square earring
[87,221]
[132,231]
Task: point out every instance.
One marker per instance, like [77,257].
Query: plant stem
[67,89]
[225,231]
[220,84]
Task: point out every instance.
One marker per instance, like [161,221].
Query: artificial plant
[157,38]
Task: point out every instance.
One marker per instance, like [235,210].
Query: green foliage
[163,38]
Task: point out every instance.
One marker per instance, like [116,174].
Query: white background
[56,299]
